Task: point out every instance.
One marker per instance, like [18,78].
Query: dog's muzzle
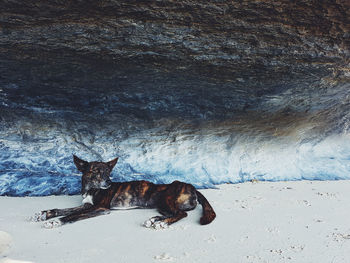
[106,184]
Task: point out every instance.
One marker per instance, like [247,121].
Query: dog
[100,195]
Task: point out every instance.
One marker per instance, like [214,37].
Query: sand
[304,221]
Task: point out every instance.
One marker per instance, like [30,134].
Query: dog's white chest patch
[88,199]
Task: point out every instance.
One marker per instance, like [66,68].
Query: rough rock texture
[202,91]
[235,39]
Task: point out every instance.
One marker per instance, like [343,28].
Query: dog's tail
[208,212]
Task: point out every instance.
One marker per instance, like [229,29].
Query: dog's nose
[106,184]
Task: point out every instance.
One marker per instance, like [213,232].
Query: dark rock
[258,39]
[207,92]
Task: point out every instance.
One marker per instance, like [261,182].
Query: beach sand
[302,221]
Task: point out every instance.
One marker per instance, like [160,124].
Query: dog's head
[95,174]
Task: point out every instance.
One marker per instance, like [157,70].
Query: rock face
[207,92]
[235,39]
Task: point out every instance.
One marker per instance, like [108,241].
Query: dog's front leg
[48,214]
[88,213]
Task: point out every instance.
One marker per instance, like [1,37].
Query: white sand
[256,222]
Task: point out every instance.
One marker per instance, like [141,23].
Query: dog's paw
[155,224]
[148,223]
[37,217]
[52,223]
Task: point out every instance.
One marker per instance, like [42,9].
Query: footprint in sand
[326,194]
[5,245]
[211,239]
[304,202]
[164,257]
[5,242]
[340,237]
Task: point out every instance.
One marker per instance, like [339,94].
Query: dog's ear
[112,163]
[80,164]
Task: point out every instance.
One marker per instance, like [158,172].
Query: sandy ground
[256,222]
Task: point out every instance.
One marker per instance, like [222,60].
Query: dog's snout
[106,184]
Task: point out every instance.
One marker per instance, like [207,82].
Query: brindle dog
[101,195]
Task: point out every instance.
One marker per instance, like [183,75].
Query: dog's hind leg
[48,214]
[84,214]
[159,222]
[169,208]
